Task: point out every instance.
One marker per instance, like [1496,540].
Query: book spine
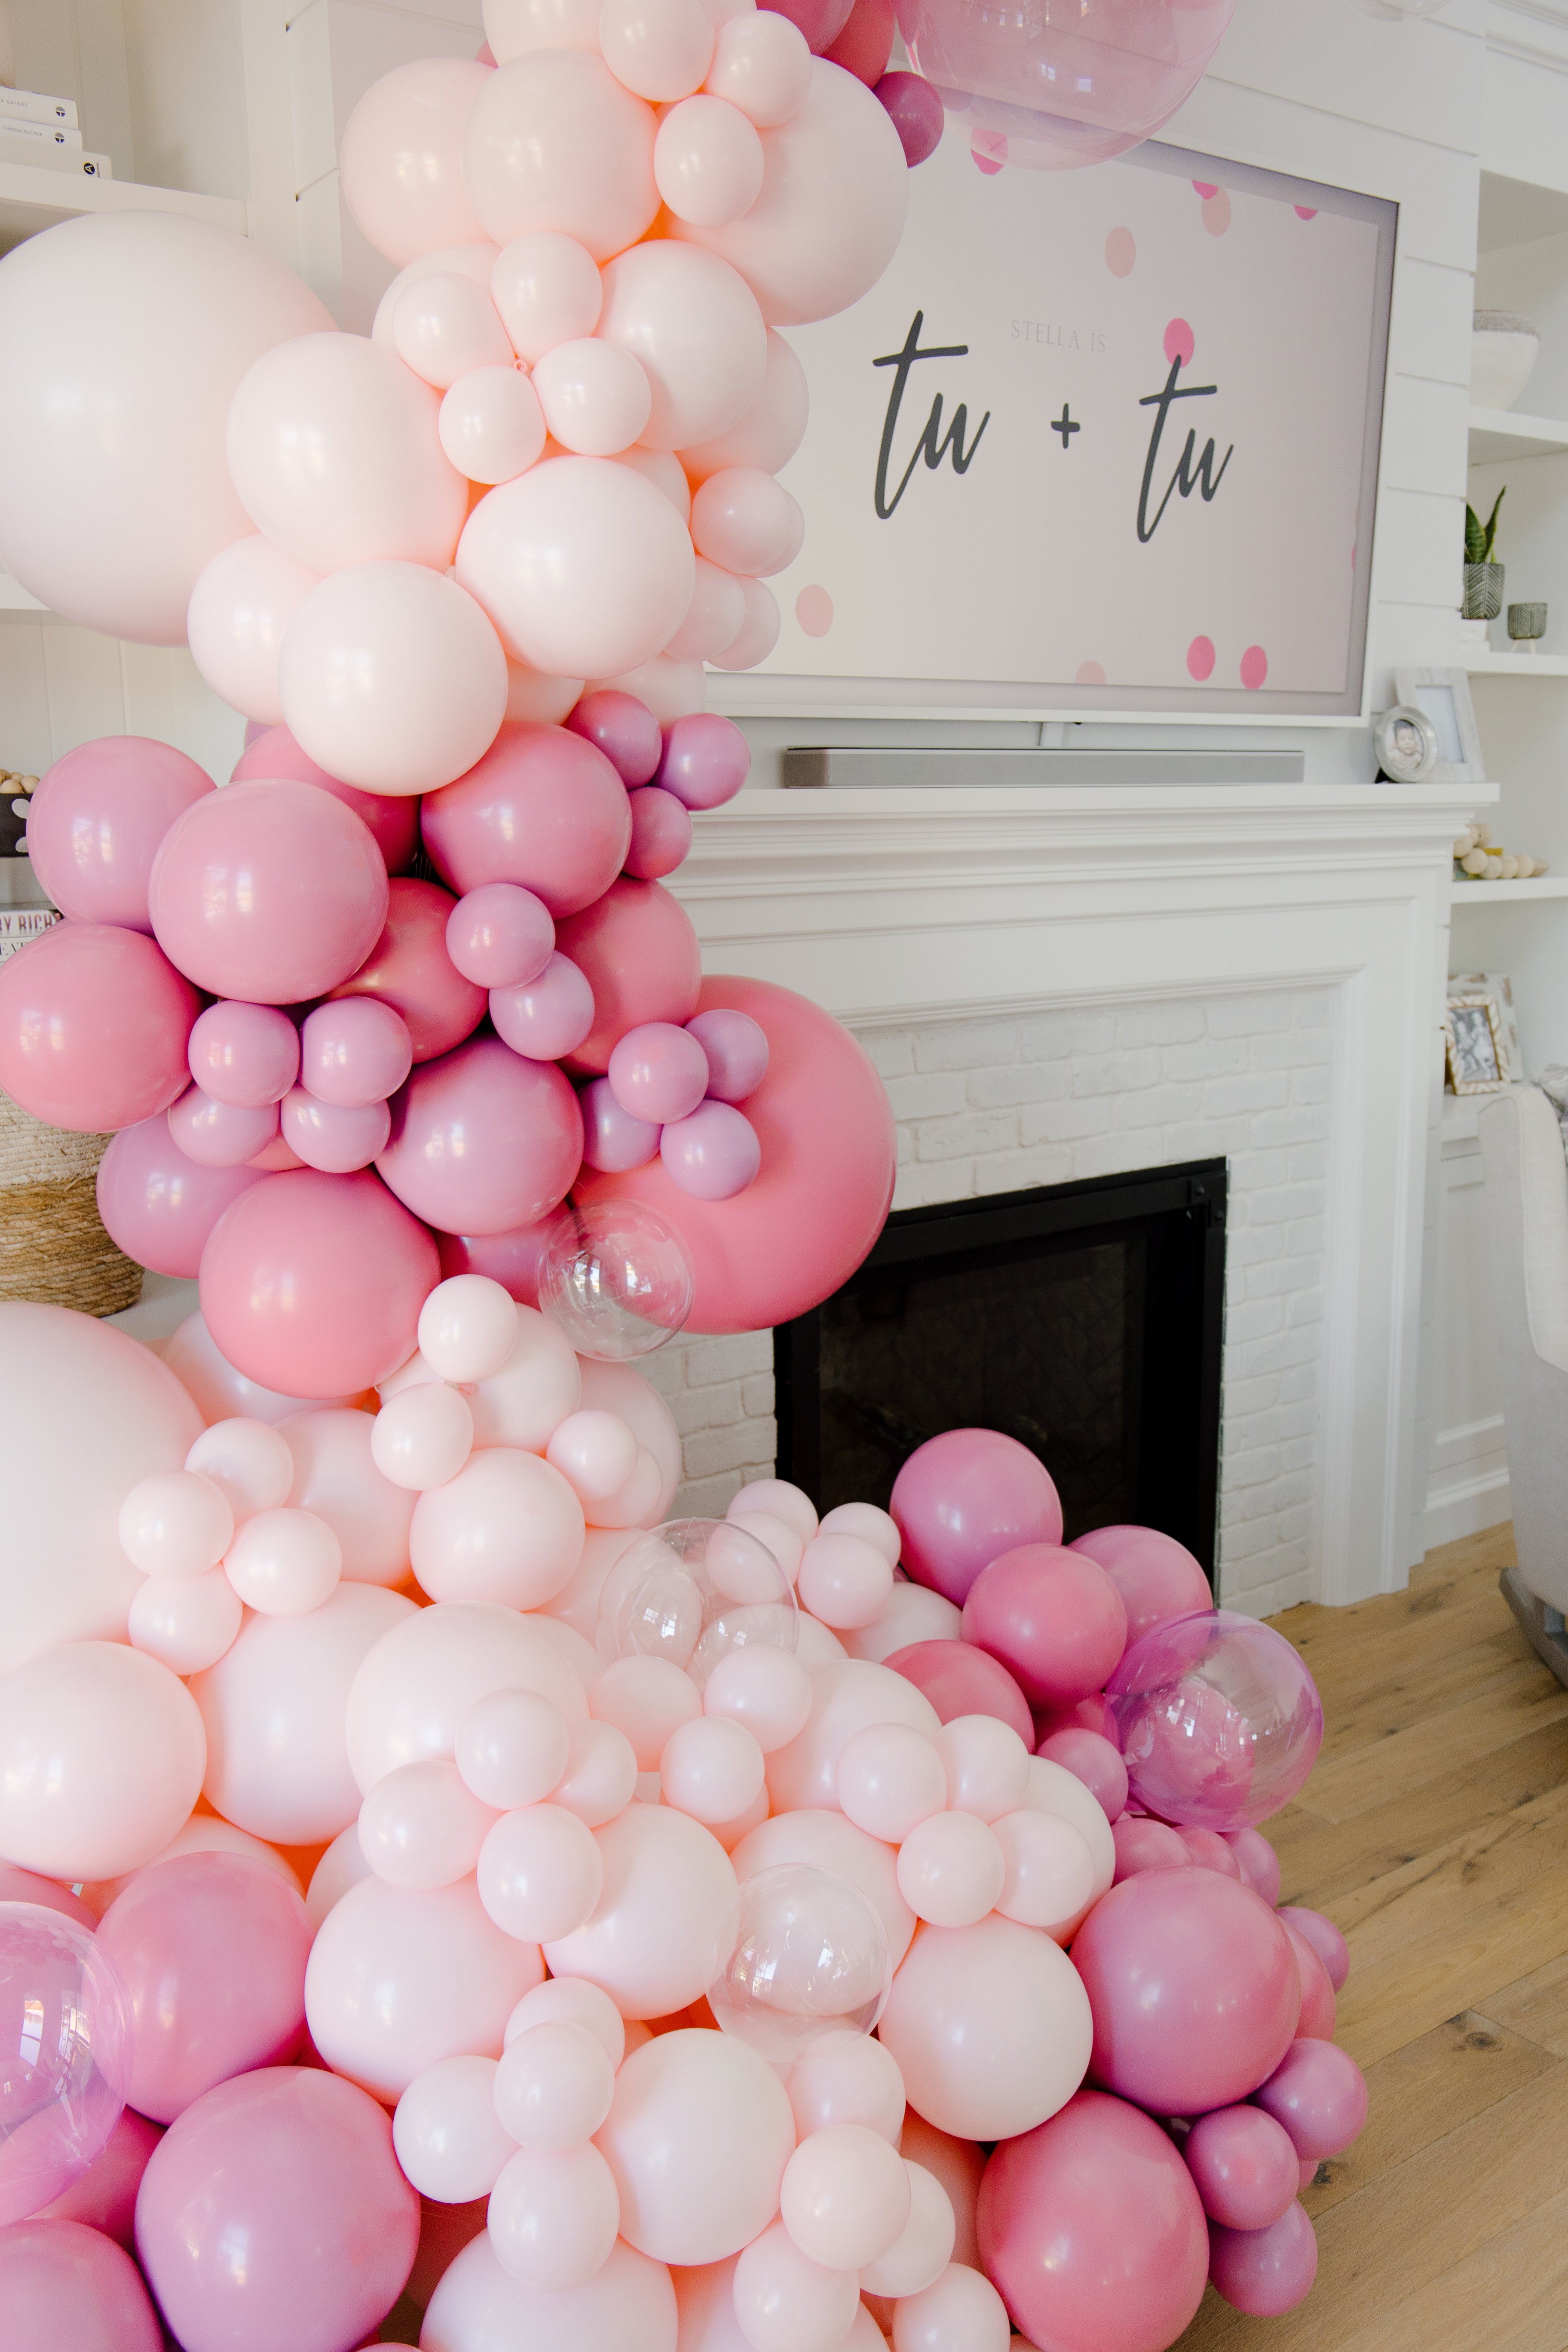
[41,134]
[32,106]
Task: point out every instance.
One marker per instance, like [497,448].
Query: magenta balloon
[1095,1762]
[1091,2231]
[105,2196]
[1265,2272]
[639,953]
[625,729]
[274,2213]
[1259,1863]
[737,1051]
[1218,1720]
[964,1498]
[1087,1714]
[511,1258]
[66,2288]
[244,1055]
[1055,1620]
[822,1193]
[915,110]
[712,1153]
[543,808]
[1324,1938]
[1319,2094]
[211,1947]
[483,1140]
[355,1051]
[546,1018]
[1244,2166]
[273,755]
[410,969]
[611,1138]
[661,834]
[959,1680]
[96,819]
[65,2054]
[311,1284]
[500,935]
[706,758]
[1157,1577]
[157,1205]
[1193,1987]
[26,1886]
[93,1025]
[1145,1844]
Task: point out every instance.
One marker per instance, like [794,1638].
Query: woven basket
[53,1247]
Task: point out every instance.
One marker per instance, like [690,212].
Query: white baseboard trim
[1466,1505]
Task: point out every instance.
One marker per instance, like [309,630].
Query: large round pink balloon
[409,969]
[274,2213]
[1157,1577]
[311,1284]
[1054,1618]
[1193,1987]
[158,1206]
[62,2284]
[639,953]
[96,819]
[964,1498]
[544,808]
[553,141]
[275,892]
[990,2025]
[393,819]
[402,158]
[483,1140]
[807,1219]
[960,1679]
[211,1947]
[124,338]
[93,1024]
[1092,2231]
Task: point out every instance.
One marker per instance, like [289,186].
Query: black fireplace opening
[1083,1319]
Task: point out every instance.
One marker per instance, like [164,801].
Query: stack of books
[35,129]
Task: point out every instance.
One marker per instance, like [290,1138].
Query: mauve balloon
[1317,2019]
[105,2196]
[543,808]
[511,1258]
[1265,2272]
[959,1679]
[1243,2165]
[96,819]
[624,728]
[964,1498]
[1145,1844]
[67,2288]
[1319,2094]
[1157,1577]
[409,969]
[93,1024]
[483,1140]
[1093,1761]
[159,1206]
[393,818]
[1324,1938]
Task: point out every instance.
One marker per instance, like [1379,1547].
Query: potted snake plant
[1483,578]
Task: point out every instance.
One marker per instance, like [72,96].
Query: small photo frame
[1406,742]
[1498,989]
[1476,1055]
[1443,695]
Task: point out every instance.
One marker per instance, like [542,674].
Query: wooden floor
[1435,1831]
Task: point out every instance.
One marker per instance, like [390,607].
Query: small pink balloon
[1095,1762]
[661,835]
[737,1051]
[93,1025]
[500,935]
[330,1136]
[273,755]
[62,2284]
[1265,2272]
[1259,1863]
[706,761]
[483,1140]
[218,1134]
[423,1436]
[1145,1844]
[951,1870]
[354,1052]
[637,949]
[713,1153]
[658,1073]
[959,1679]
[1243,2165]
[544,808]
[844,1580]
[548,1018]
[916,113]
[1157,1577]
[1319,2094]
[625,729]
[965,1497]
[158,1205]
[1055,1620]
[96,819]
[1317,2019]
[409,969]
[1324,1938]
[246,1054]
[766,1689]
[1208,1850]
[648,1700]
[889,1778]
[613,1138]
[284,1563]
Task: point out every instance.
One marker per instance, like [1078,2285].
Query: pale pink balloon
[337,1478]
[1053,1789]
[668,1887]
[506,1527]
[239,609]
[392,676]
[398,1980]
[672,690]
[513,1747]
[698,2138]
[156,1204]
[600,1774]
[250,1461]
[541,1873]
[595,1452]
[773,428]
[991,2028]
[93,1024]
[284,1562]
[889,1778]
[553,141]
[174,1523]
[247,1054]
[555,2083]
[766,1689]
[779,1535]
[421,1826]
[846,1698]
[627,2306]
[712,1768]
[444,326]
[548,291]
[922,2250]
[846,2196]
[786,2303]
[342,1865]
[482,1139]
[847,2078]
[758,632]
[713,617]
[555,2217]
[912,1617]
[595,396]
[707,162]
[959,2312]
[660,52]
[844,1580]
[959,2166]
[187,1622]
[695,328]
[401,161]
[101,1753]
[572,2001]
[414,1690]
[1049,1880]
[468,1329]
[648,1700]
[951,1870]
[450,2142]
[422,1437]
[530,1395]
[827,1842]
[583,567]
[762,68]
[745,520]
[500,935]
[492,427]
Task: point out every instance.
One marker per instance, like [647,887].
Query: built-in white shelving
[1503,433]
[34,197]
[1537,886]
[1491,665]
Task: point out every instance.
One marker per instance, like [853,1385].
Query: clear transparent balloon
[1219,1720]
[64,2056]
[616,1278]
[804,1954]
[692,1592]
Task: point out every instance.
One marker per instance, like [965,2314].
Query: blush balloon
[410,969]
[393,819]
[96,819]
[661,835]
[1259,1863]
[1157,1577]
[500,935]
[1055,1620]
[246,1054]
[961,1680]
[354,1052]
[94,1026]
[159,1206]
[964,1498]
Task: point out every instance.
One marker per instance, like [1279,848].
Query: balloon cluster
[692,1906]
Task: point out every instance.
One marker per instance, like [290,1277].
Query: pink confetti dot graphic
[1205,188]
[1090,673]
[1200,658]
[1216,212]
[1180,342]
[992,156]
[1254,668]
[814,611]
[1306,212]
[1121,252]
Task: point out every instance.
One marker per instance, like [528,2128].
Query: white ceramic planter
[1502,354]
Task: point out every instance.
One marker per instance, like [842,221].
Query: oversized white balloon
[401,164]
[694,326]
[555,142]
[101,1753]
[240,608]
[491,426]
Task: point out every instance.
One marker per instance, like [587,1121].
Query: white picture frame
[1444,696]
[1498,989]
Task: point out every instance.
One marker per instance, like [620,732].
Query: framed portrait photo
[1477,1054]
[1442,697]
[1498,989]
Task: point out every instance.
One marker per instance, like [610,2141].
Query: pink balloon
[1243,2165]
[336,1138]
[96,819]
[500,935]
[105,2196]
[1259,1863]
[1095,1762]
[157,1205]
[355,1051]
[548,1018]
[311,1284]
[828,1163]
[26,1886]
[614,1138]
[444,326]
[1145,1844]
[409,969]
[989,2027]
[64,2284]
[916,113]
[247,1054]
[335,1478]
[483,1140]
[1265,2272]
[627,2306]
[402,160]
[737,1051]
[1209,1851]
[273,892]
[212,1949]
[774,426]
[1319,2094]
[393,819]
[1193,1987]
[961,1680]
[964,1498]
[709,163]
[637,948]
[544,809]
[220,1135]
[650,1943]
[657,1073]
[1157,1577]
[491,424]
[1324,1938]
[698,2138]
[297,2168]
[625,729]
[1092,2229]
[661,835]
[713,1153]
[1055,1620]
[706,761]
[93,1025]
[821,21]
[511,1258]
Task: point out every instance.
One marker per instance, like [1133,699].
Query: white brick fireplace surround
[1064,984]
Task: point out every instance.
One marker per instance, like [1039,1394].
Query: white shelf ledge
[1503,433]
[34,197]
[1537,886]
[1490,664]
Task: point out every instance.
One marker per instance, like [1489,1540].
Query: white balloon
[492,427]
[595,397]
[335,1475]
[546,287]
[512,27]
[768,435]
[475,259]
[444,325]
[555,142]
